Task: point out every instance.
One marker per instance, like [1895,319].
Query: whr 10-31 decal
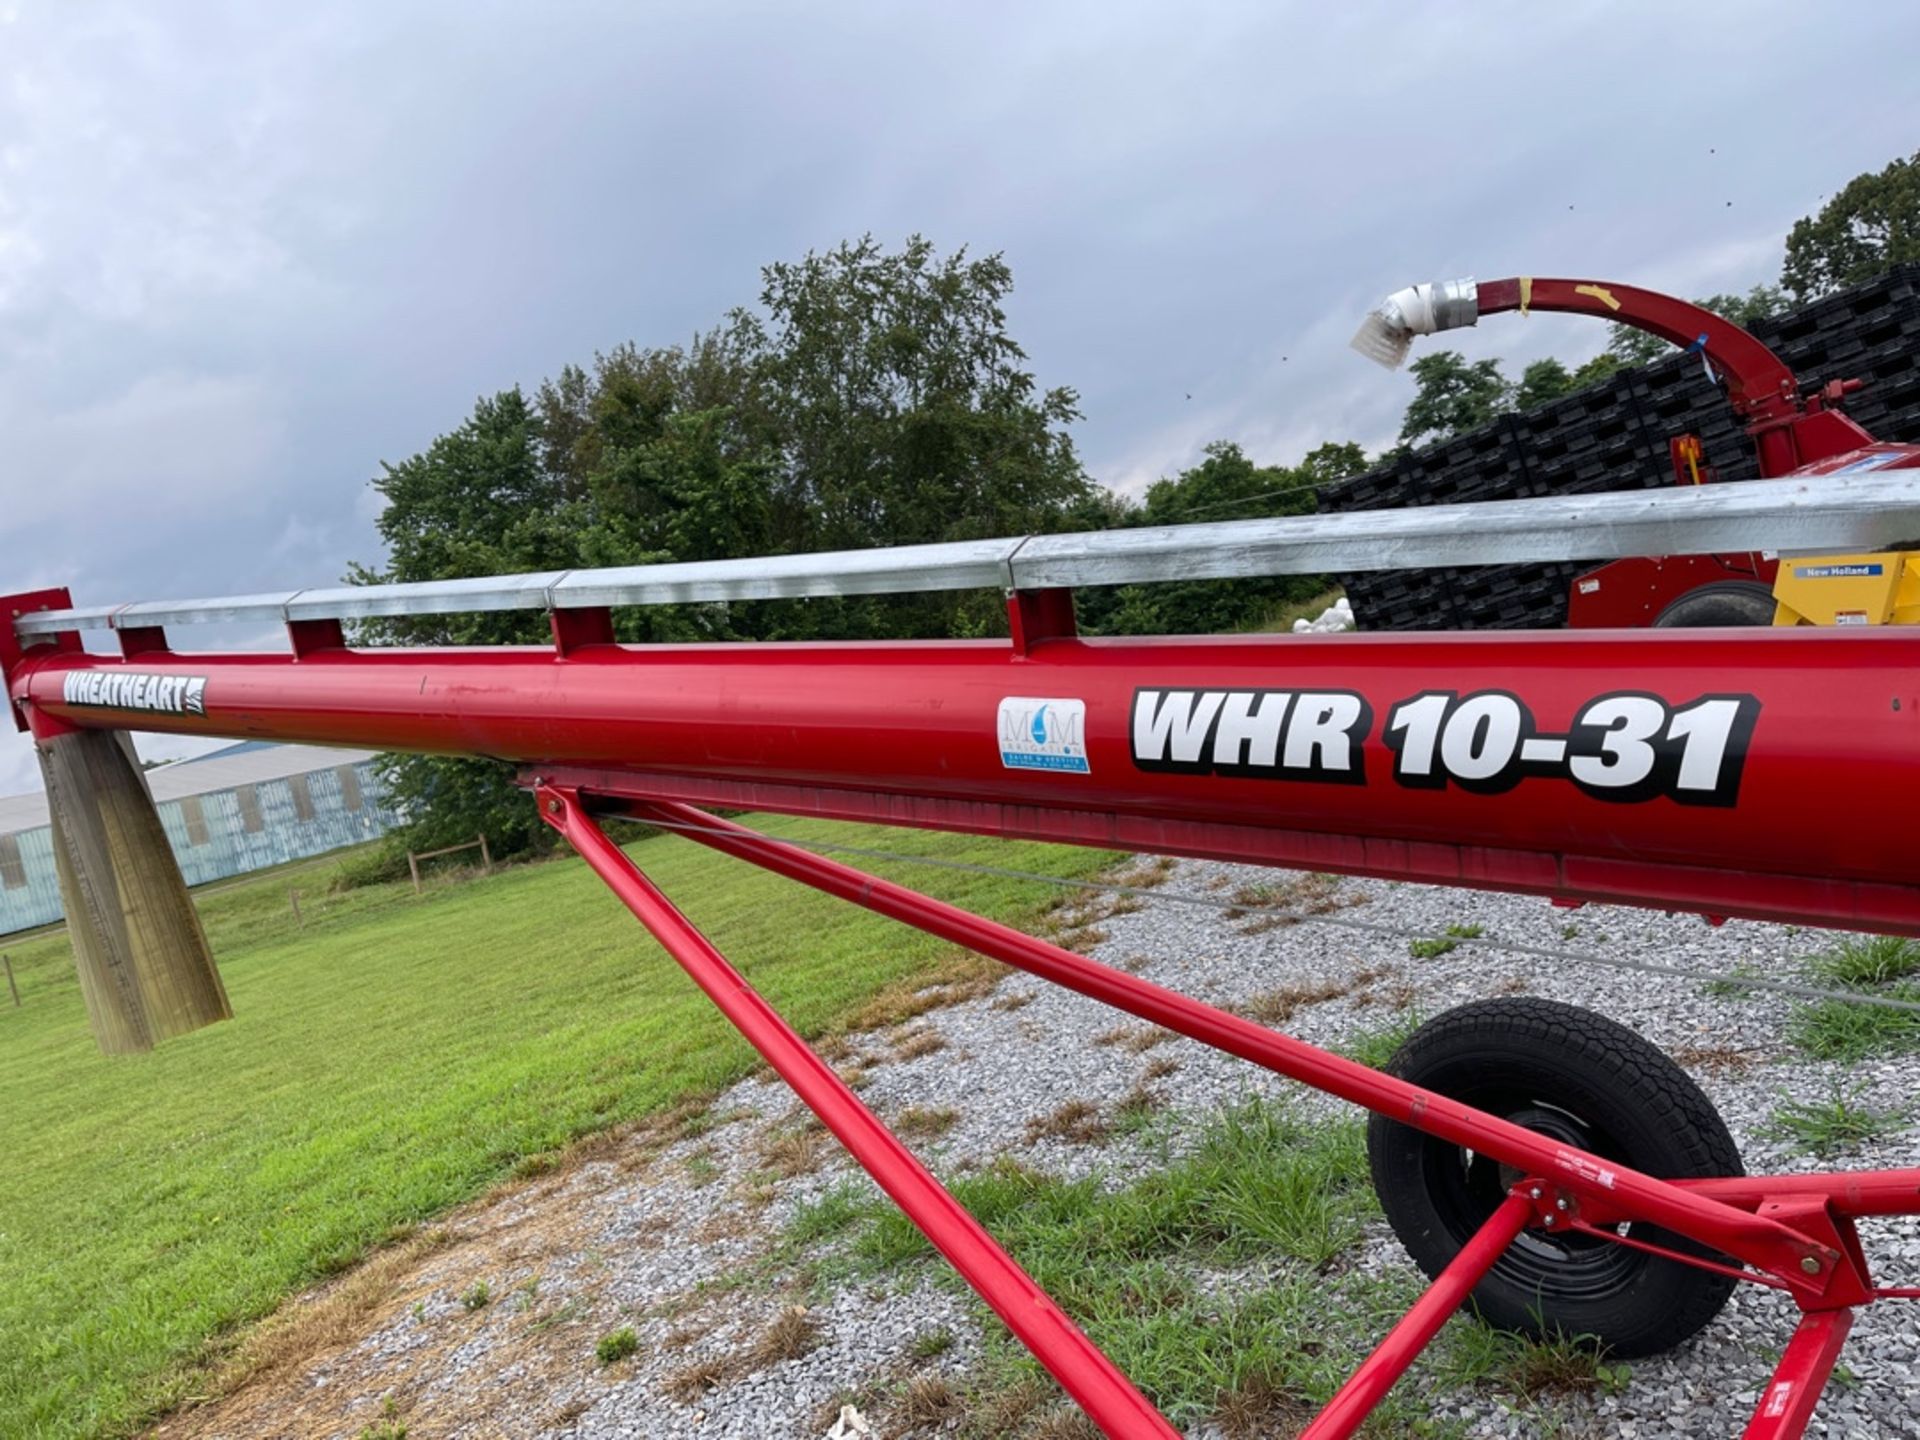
[1624,746]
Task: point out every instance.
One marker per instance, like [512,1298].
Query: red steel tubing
[1184,735]
[1787,1403]
[1848,1192]
[1762,1242]
[1093,1381]
[1349,1409]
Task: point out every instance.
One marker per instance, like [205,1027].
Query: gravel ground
[672,1236]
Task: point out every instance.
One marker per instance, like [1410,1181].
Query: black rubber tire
[1592,1082]
[1723,603]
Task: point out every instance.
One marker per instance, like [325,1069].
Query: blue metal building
[241,808]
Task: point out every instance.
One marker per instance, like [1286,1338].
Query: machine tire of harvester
[1558,1069]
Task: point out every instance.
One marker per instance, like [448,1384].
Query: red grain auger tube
[1736,773]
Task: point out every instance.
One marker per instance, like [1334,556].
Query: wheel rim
[1466,1188]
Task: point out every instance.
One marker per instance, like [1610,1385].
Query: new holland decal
[136,690]
[1623,746]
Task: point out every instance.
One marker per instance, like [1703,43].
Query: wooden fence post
[414,857]
[294,896]
[7,960]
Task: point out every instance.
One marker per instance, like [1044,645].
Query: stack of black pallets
[1613,436]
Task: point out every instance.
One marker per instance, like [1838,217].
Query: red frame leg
[1093,1380]
[1788,1402]
[1349,1409]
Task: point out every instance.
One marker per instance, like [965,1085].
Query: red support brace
[1099,1388]
[1349,1409]
[1788,1402]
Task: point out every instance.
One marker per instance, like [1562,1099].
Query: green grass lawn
[390,1058]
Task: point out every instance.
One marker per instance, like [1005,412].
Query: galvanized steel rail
[1831,512]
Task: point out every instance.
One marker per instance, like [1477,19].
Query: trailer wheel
[1585,1080]
[1725,602]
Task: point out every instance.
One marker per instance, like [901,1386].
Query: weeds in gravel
[1078,1122]
[1137,1038]
[1715,1059]
[1135,1111]
[1445,943]
[1261,1404]
[929,1401]
[1825,1127]
[1868,960]
[1730,987]
[963,976]
[1274,1008]
[612,1349]
[1067,1425]
[560,1315]
[832,1214]
[690,1382]
[930,1344]
[1848,1030]
[793,1334]
[1528,1370]
[918,1043]
[1006,1409]
[787,1153]
[389,1426]
[701,1167]
[1374,1048]
[477,1296]
[926,1122]
[1146,874]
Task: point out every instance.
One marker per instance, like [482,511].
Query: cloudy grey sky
[249,251]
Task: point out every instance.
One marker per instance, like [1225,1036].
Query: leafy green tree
[1541,382]
[1872,225]
[903,411]
[477,501]
[1452,395]
[1226,485]
[1335,460]
[877,399]
[1603,366]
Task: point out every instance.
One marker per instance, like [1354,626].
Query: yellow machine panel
[1876,589]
